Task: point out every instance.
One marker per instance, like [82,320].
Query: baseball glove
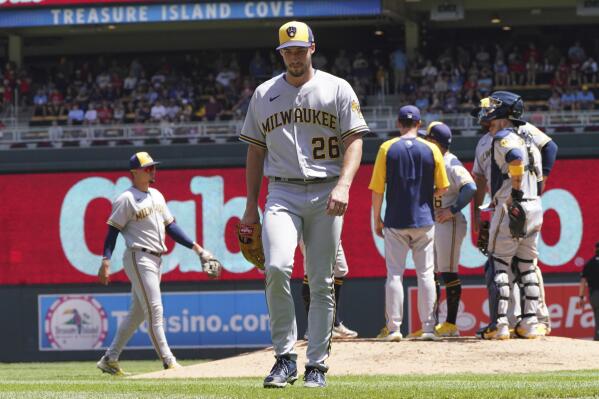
[250,243]
[517,219]
[482,243]
[210,265]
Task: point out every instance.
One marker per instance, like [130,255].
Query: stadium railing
[381,120]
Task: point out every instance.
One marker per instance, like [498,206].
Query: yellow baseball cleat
[416,334]
[383,333]
[111,367]
[501,333]
[386,335]
[172,365]
[446,329]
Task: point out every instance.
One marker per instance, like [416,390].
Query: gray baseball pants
[294,211]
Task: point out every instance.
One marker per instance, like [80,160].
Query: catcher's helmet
[500,105]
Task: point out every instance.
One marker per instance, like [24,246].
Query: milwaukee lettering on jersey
[299,115]
[145,212]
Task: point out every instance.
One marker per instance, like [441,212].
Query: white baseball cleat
[428,336]
[342,332]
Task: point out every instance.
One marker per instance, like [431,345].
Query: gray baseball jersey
[141,218]
[450,235]
[303,127]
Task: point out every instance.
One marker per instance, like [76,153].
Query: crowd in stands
[211,86]
[455,80]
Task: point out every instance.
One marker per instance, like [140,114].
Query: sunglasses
[149,169]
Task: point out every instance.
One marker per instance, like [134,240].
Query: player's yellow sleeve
[379,172]
[441,180]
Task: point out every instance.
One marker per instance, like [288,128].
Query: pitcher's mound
[452,355]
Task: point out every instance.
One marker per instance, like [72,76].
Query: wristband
[516,170]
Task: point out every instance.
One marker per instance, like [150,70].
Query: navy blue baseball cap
[409,113]
[141,160]
[440,132]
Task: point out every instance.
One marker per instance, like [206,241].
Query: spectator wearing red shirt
[531,53]
[104,113]
[517,69]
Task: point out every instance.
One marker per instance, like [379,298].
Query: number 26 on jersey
[325,147]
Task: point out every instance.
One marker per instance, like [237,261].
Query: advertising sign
[567,319]
[217,319]
[105,13]
[54,225]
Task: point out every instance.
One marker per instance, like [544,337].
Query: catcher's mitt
[517,219]
[250,243]
[482,243]
[210,265]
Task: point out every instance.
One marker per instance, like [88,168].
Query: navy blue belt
[149,251]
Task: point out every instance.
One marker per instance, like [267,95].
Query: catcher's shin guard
[502,285]
[530,284]
[542,310]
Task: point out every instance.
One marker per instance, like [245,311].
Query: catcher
[140,214]
[482,174]
[515,174]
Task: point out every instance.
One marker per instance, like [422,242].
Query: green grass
[72,380]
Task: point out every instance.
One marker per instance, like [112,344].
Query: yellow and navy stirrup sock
[338,284]
[306,295]
[453,290]
[437,297]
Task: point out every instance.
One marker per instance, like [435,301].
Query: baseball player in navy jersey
[450,228]
[340,270]
[305,131]
[481,171]
[515,173]
[140,214]
[408,171]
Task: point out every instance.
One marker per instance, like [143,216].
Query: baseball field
[362,369]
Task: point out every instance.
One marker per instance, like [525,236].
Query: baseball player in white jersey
[481,171]
[515,174]
[305,131]
[340,270]
[140,214]
[450,227]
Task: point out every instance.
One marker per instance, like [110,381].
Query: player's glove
[250,243]
[482,243]
[210,265]
[517,215]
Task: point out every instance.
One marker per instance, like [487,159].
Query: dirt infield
[454,355]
